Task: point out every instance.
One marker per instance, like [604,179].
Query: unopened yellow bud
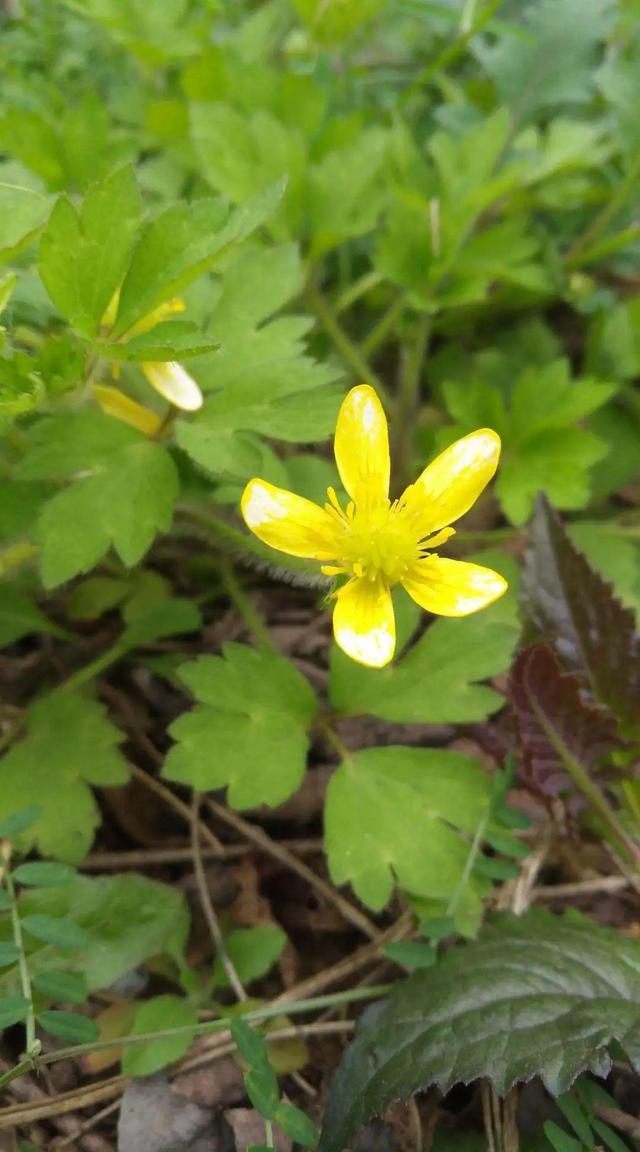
[114,403]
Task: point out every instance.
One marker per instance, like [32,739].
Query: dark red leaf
[577,612]
[557,728]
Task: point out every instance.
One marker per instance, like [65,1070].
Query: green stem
[355,291]
[626,186]
[349,351]
[32,1045]
[244,607]
[266,1012]
[93,668]
[246,545]
[449,55]
[409,398]
[589,789]
[468,867]
[385,325]
[268,1133]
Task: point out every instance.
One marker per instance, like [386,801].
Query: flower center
[377,541]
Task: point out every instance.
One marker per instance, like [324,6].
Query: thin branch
[207,905]
[278,851]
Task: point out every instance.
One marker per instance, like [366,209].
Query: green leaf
[249,731]
[333,22]
[411,802]
[20,821]
[173,340]
[127,919]
[84,254]
[93,597]
[181,244]
[252,951]
[436,681]
[69,1026]
[297,1125]
[69,744]
[23,211]
[63,987]
[154,1015]
[9,954]
[20,616]
[72,442]
[263,379]
[616,558]
[572,606]
[13,1009]
[550,62]
[124,502]
[171,617]
[43,874]
[56,930]
[535,996]
[347,191]
[412,953]
[250,1042]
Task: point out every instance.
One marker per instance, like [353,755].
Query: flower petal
[363,622]
[173,382]
[361,446]
[451,484]
[113,402]
[453,587]
[288,522]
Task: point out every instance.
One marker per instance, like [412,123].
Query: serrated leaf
[249,732]
[411,953]
[263,379]
[69,744]
[573,607]
[124,502]
[436,681]
[43,874]
[173,340]
[614,556]
[63,987]
[154,1015]
[84,253]
[556,727]
[23,212]
[13,1009]
[180,245]
[69,1026]
[411,802]
[536,995]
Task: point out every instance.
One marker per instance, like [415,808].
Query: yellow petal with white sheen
[173,382]
[361,446]
[363,622]
[451,484]
[453,587]
[288,522]
[114,403]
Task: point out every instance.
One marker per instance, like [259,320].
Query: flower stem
[349,351]
[32,1045]
[243,605]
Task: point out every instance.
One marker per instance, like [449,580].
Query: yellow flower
[169,378]
[375,543]
[173,382]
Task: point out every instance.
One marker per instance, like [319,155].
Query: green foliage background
[435,196]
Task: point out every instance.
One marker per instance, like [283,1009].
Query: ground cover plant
[319,575]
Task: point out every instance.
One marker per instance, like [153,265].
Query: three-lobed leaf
[398,813]
[249,730]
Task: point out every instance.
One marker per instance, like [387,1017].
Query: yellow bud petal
[173,382]
[115,403]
